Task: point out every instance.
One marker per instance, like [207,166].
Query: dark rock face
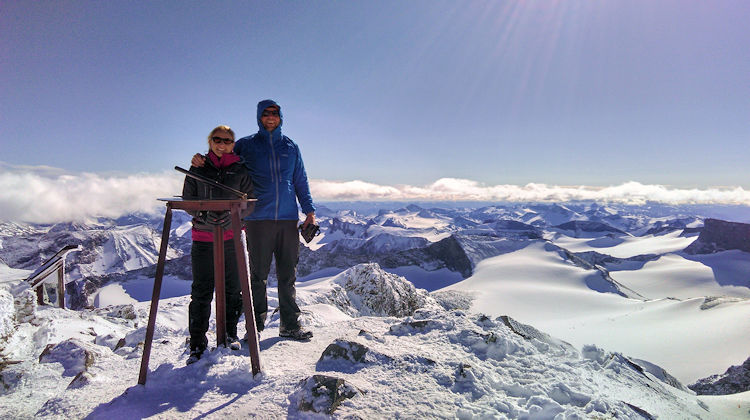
[595,258]
[446,253]
[589,226]
[735,379]
[356,230]
[665,226]
[450,251]
[719,235]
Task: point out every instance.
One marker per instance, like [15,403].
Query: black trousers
[202,290]
[280,239]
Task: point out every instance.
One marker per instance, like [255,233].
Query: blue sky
[593,93]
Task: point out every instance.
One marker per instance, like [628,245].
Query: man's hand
[310,219]
[198,160]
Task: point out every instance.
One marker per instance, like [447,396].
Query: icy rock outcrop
[661,374]
[530,333]
[323,394]
[368,290]
[73,354]
[617,361]
[711,302]
[82,379]
[453,299]
[735,379]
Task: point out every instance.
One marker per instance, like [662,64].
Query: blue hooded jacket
[275,165]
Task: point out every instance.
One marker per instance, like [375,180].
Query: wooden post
[40,294]
[155,295]
[234,206]
[247,297]
[61,286]
[221,296]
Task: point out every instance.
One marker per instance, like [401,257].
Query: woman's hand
[198,160]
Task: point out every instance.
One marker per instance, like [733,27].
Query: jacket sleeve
[190,190]
[239,145]
[246,186]
[301,186]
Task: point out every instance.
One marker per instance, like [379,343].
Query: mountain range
[633,279]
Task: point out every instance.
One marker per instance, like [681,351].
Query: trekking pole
[268,320]
[210,181]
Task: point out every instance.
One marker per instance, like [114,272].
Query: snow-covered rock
[368,290]
[74,356]
[323,394]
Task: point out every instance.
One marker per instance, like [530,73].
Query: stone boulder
[346,350]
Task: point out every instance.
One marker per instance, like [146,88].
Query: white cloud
[34,197]
[47,195]
[452,189]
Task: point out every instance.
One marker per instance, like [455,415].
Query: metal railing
[42,275]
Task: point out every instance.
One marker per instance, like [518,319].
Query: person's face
[270,118]
[221,142]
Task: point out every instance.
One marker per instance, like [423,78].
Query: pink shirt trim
[206,236]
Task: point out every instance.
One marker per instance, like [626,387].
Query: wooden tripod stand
[234,206]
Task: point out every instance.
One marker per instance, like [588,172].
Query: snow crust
[434,363]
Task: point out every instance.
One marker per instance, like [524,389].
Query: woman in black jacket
[224,166]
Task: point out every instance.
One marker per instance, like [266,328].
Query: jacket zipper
[275,175]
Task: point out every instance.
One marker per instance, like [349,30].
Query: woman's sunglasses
[218,140]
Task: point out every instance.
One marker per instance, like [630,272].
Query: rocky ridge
[720,235]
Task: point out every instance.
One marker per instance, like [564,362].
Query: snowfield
[531,286]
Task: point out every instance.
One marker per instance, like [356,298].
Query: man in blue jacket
[279,180]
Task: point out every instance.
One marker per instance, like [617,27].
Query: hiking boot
[198,344]
[234,342]
[299,334]
[195,355]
